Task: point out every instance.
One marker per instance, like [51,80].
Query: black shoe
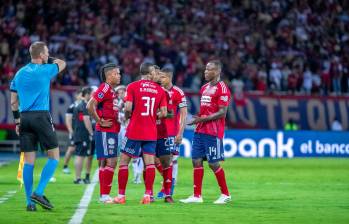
[41,200]
[78,181]
[87,181]
[31,208]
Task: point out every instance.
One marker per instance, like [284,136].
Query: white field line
[7,196]
[85,201]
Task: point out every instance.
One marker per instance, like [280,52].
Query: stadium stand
[269,46]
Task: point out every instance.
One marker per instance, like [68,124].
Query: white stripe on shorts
[104,142]
[218,149]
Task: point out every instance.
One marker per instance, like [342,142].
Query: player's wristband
[16,114]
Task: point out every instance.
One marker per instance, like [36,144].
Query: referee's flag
[20,169]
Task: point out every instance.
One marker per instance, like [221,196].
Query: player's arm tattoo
[128,109]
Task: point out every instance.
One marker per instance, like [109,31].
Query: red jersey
[177,101]
[161,125]
[107,107]
[211,98]
[147,97]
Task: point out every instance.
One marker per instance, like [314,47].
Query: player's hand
[106,123]
[178,139]
[196,120]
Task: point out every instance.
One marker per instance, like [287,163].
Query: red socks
[220,176]
[122,178]
[100,175]
[149,178]
[198,177]
[108,178]
[167,174]
[159,168]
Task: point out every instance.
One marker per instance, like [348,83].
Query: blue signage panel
[278,144]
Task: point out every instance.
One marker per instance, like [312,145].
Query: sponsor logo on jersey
[224,98]
[100,95]
[206,99]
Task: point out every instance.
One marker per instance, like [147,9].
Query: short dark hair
[106,68]
[86,90]
[36,49]
[144,69]
[168,71]
[217,63]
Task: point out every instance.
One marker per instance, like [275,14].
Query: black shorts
[37,128]
[83,148]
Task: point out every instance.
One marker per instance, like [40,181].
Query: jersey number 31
[149,105]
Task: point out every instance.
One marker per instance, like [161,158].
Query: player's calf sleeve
[122,179]
[167,180]
[28,180]
[101,181]
[108,178]
[198,177]
[149,178]
[46,174]
[220,176]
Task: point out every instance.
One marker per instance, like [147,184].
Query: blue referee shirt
[32,84]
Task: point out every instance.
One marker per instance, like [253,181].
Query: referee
[30,95]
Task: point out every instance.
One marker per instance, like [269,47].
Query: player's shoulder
[205,86]
[224,89]
[104,87]
[178,90]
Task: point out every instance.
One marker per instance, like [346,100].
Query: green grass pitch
[263,191]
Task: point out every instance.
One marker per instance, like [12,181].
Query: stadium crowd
[284,46]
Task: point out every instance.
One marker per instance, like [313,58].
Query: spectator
[245,35]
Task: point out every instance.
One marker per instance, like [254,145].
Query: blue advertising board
[278,144]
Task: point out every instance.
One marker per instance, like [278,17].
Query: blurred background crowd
[275,47]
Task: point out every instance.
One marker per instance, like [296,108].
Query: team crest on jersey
[100,95]
[111,141]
